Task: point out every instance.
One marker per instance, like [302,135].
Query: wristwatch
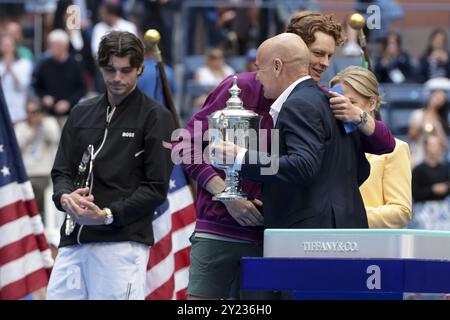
[364,117]
[109,216]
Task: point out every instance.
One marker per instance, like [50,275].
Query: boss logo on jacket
[127,134]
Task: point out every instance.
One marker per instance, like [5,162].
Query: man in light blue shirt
[149,82]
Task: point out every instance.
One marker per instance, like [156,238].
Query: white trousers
[100,271]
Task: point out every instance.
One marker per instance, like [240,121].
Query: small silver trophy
[82,180]
[239,126]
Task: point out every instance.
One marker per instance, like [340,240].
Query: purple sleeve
[380,142]
[196,127]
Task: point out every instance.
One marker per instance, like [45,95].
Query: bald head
[281,60]
[288,47]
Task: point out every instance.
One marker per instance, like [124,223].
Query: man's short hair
[58,35]
[120,44]
[307,23]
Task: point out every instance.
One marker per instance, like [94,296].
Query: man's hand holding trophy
[79,205]
[223,152]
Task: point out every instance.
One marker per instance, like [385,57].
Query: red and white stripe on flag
[168,267]
[25,258]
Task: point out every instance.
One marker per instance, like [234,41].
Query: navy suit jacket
[320,167]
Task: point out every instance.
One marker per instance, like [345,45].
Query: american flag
[173,224]
[25,258]
[168,267]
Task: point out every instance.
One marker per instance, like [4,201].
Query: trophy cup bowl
[237,125]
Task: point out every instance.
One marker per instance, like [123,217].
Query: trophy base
[228,196]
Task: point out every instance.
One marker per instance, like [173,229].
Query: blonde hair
[363,81]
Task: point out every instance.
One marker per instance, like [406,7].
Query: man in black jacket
[105,254]
[58,78]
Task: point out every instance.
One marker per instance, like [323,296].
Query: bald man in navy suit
[313,180]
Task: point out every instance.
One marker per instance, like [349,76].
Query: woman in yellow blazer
[387,191]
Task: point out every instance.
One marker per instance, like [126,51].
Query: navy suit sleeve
[305,136]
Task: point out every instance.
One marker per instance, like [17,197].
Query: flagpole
[152,38]
[357,22]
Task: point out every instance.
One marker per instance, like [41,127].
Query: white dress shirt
[16,93]
[275,109]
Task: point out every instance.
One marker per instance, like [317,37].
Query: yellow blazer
[387,192]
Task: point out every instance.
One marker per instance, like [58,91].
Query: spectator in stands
[431,119]
[80,49]
[150,81]
[214,70]
[15,29]
[58,79]
[285,9]
[435,61]
[160,15]
[351,47]
[87,10]
[431,188]
[15,76]
[38,139]
[250,57]
[110,20]
[394,65]
[431,177]
[208,17]
[387,191]
[238,26]
[390,10]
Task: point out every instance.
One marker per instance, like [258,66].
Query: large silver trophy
[239,126]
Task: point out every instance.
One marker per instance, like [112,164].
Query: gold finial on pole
[151,38]
[356,21]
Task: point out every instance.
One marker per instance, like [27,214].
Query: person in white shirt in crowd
[15,29]
[214,70]
[15,75]
[110,20]
[38,139]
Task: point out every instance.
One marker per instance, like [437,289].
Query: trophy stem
[232,187]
